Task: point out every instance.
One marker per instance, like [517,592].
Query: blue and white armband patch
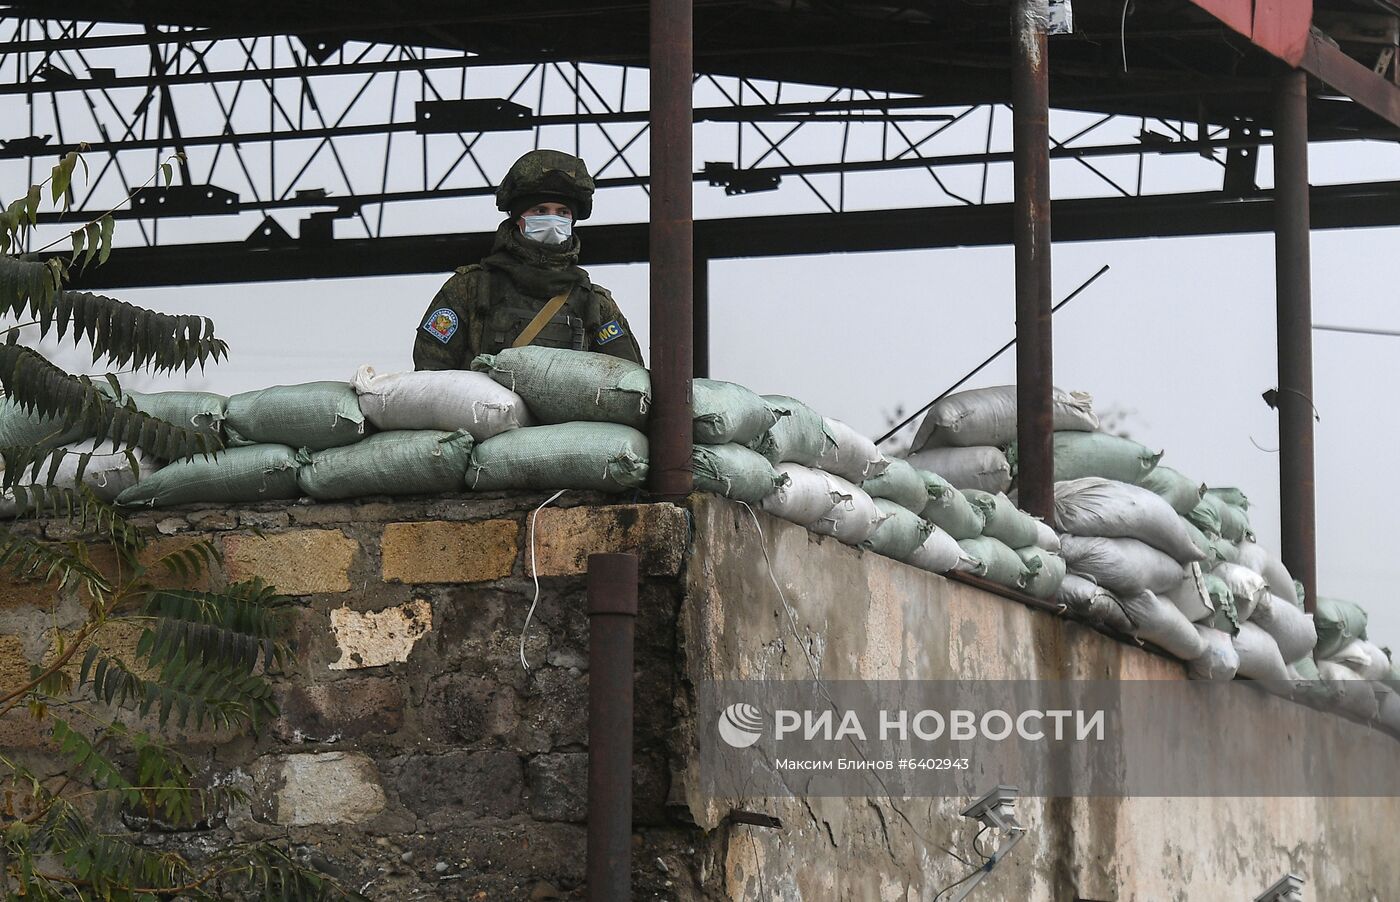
[607,332]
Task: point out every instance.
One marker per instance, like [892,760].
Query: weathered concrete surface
[862,616]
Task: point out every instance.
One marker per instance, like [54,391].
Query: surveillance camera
[996,809]
[1289,888]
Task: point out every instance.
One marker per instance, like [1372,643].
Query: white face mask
[548,229]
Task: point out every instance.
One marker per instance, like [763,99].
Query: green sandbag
[198,410]
[1203,544]
[1214,515]
[1180,491]
[1004,522]
[799,436]
[1231,496]
[1047,571]
[725,412]
[563,386]
[603,457]
[1338,622]
[900,534]
[949,509]
[996,562]
[248,473]
[19,429]
[390,463]
[900,483]
[1226,617]
[735,472]
[315,416]
[1081,454]
[1310,684]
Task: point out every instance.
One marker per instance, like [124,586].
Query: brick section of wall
[565,538]
[298,562]
[443,552]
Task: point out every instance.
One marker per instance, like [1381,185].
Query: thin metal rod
[612,624]
[986,363]
[1293,270]
[1030,129]
[702,314]
[672,235]
[1357,330]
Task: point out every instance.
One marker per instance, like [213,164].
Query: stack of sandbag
[1035,544]
[1348,663]
[728,419]
[106,473]
[900,495]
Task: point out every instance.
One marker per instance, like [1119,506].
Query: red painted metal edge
[1277,26]
[1325,61]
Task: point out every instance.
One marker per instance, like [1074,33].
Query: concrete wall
[416,759]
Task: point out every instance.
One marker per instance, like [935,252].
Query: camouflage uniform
[482,308]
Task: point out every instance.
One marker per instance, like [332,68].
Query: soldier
[530,289]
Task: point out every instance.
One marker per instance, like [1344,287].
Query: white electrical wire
[529,615]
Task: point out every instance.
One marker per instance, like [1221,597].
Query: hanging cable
[534,573]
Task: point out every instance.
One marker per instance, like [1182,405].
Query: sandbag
[1191,596]
[1090,602]
[850,455]
[440,400]
[1389,707]
[198,410]
[1227,616]
[1292,629]
[1081,454]
[564,386]
[1209,555]
[996,562]
[1047,571]
[900,483]
[1157,620]
[1180,491]
[19,429]
[853,516]
[1232,496]
[802,496]
[401,462]
[1101,507]
[725,412]
[1280,581]
[949,509]
[1338,622]
[939,553]
[1353,692]
[799,435]
[987,416]
[900,533]
[1362,658]
[1260,658]
[1213,515]
[107,474]
[733,471]
[983,468]
[1251,556]
[605,457]
[1123,566]
[1219,661]
[1308,684]
[1003,521]
[1247,587]
[1045,536]
[315,416]
[247,473]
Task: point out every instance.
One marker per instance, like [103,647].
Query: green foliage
[200,659]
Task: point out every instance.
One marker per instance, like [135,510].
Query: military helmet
[545,174]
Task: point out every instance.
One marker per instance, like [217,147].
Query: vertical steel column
[1030,112]
[672,240]
[702,313]
[1293,271]
[612,621]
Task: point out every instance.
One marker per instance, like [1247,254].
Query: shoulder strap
[547,313]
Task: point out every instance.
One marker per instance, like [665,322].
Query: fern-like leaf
[81,508]
[227,630]
[48,562]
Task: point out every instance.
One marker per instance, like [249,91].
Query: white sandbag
[1388,702]
[805,496]
[853,516]
[984,468]
[850,455]
[1260,658]
[1102,507]
[1045,536]
[1192,596]
[1219,661]
[1090,602]
[1354,692]
[440,400]
[1123,566]
[900,533]
[1247,587]
[1252,556]
[1363,658]
[106,474]
[1157,620]
[987,416]
[939,553]
[1280,581]
[900,483]
[1292,629]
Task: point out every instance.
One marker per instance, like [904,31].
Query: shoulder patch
[442,324]
[607,332]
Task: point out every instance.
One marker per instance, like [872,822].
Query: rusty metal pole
[1293,271]
[1030,116]
[612,621]
[672,242]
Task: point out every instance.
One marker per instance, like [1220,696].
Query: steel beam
[672,248]
[1297,502]
[1030,111]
